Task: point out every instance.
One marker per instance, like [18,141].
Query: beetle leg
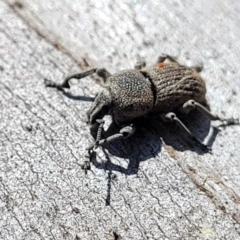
[65,83]
[102,72]
[164,57]
[139,65]
[99,132]
[197,68]
[171,117]
[86,164]
[125,132]
[191,104]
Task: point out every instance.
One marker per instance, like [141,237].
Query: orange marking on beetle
[160,65]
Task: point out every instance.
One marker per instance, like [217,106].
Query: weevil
[161,89]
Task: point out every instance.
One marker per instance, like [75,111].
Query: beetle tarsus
[229,122]
[51,84]
[205,148]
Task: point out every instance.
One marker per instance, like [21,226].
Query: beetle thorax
[131,95]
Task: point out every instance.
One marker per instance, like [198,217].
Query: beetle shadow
[148,140]
[77,97]
[146,143]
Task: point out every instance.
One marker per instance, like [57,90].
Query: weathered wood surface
[163,188]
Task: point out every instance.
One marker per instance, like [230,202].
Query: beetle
[161,90]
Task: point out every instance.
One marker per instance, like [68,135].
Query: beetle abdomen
[174,85]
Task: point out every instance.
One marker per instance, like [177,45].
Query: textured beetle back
[131,95]
[174,85]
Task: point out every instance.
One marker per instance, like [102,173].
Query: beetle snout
[93,116]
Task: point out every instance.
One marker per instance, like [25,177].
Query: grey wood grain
[155,185]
